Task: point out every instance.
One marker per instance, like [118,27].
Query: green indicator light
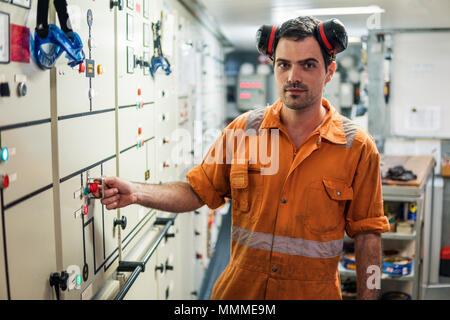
[85,191]
[79,280]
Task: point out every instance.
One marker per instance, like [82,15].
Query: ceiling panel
[240,19]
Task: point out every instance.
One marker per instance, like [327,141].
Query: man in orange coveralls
[289,209]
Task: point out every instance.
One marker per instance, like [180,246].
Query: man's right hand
[118,193]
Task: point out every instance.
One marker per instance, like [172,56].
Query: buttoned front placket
[311,144]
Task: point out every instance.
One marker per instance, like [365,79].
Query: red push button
[93,187]
[81,67]
[5,181]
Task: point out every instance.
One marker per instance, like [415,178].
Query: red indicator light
[245,95]
[139,91]
[93,187]
[86,209]
[139,130]
[5,182]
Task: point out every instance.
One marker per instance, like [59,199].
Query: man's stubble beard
[298,103]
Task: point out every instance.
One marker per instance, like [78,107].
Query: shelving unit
[405,192]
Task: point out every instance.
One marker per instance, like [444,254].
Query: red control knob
[81,67]
[93,187]
[4,182]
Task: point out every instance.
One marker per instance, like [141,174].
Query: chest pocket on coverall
[246,183]
[326,205]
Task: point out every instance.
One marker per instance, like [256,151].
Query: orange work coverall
[288,228]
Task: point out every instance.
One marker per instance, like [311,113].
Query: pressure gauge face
[4,38]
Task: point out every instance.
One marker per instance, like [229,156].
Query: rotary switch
[22,89]
[93,187]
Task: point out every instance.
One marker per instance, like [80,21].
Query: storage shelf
[391,236]
[398,236]
[352,274]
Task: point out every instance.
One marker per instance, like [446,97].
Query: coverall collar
[331,128]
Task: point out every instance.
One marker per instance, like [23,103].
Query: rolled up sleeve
[365,212]
[210,179]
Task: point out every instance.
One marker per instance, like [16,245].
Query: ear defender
[332,36]
[267,39]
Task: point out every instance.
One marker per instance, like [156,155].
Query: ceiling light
[340,11]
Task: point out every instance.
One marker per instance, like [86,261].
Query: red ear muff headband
[324,38]
[271,39]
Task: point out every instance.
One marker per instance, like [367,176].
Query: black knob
[160,268]
[169,235]
[63,280]
[118,3]
[168,267]
[122,222]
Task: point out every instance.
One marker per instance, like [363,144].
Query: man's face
[299,71]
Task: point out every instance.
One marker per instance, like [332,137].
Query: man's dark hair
[301,28]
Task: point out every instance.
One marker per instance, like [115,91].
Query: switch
[93,187]
[81,67]
[122,222]
[4,154]
[4,181]
[100,69]
[197,233]
[22,89]
[165,140]
[4,89]
[160,268]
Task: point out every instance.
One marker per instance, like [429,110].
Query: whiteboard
[420,84]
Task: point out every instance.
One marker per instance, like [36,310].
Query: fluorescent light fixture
[340,11]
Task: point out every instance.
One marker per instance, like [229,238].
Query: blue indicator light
[4,154]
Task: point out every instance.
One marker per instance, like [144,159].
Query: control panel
[126,89]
